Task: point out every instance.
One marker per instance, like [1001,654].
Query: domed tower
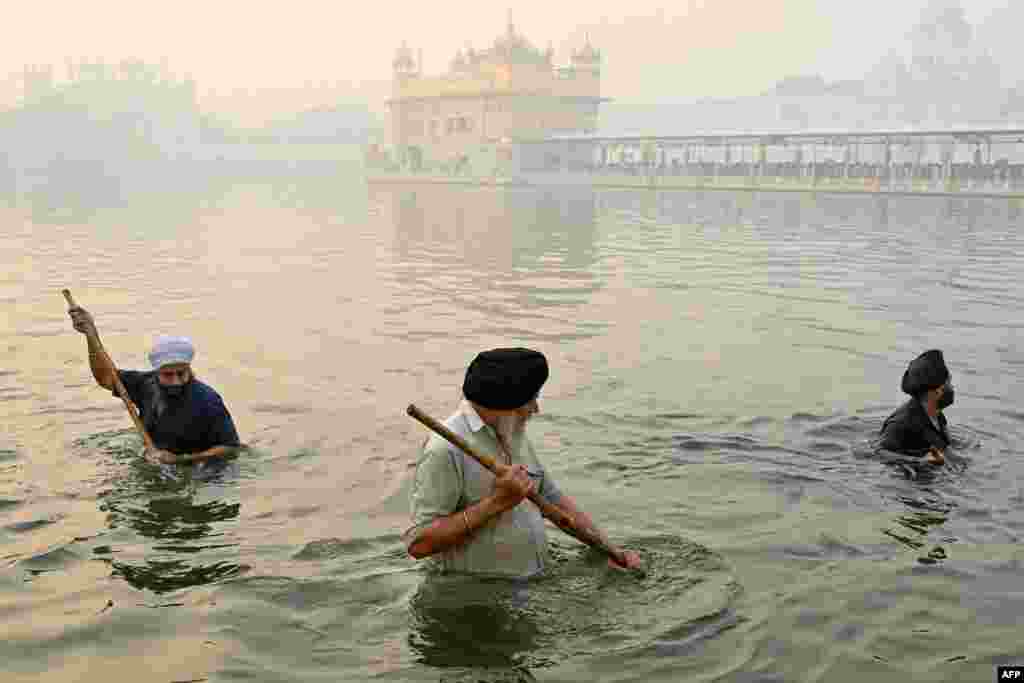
[459,62]
[38,82]
[587,59]
[403,65]
[586,65]
[406,75]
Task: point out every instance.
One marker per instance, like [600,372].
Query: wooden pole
[552,512]
[122,393]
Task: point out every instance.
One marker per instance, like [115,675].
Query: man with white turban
[186,418]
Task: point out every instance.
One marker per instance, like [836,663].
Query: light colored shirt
[513,543]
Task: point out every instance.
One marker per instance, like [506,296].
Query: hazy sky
[653,51]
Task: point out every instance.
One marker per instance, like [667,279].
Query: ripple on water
[279,409]
[834,275]
[28,525]
[827,548]
[55,559]
[579,608]
[335,548]
[479,629]
[687,638]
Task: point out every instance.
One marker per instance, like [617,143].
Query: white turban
[171,350]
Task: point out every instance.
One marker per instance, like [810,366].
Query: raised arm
[99,362]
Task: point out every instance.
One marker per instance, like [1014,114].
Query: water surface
[719,364]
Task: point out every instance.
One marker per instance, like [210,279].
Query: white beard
[510,429]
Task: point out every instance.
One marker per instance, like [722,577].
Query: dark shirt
[911,432]
[195,422]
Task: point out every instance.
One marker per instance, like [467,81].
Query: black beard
[169,396]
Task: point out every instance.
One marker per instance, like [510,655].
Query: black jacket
[909,431]
[199,421]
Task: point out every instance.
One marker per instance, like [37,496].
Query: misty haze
[729,292]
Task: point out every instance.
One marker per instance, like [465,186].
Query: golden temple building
[489,99]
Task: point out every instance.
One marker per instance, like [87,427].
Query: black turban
[927,371]
[505,379]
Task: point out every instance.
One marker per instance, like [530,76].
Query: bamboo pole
[552,512]
[122,393]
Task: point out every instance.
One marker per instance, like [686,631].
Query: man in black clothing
[186,418]
[918,427]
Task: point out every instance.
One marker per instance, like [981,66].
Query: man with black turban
[464,518]
[918,428]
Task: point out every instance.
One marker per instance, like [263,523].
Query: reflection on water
[498,232]
[186,532]
[928,508]
[182,520]
[512,257]
[459,622]
[80,191]
[176,195]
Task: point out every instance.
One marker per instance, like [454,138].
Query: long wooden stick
[552,512]
[121,391]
